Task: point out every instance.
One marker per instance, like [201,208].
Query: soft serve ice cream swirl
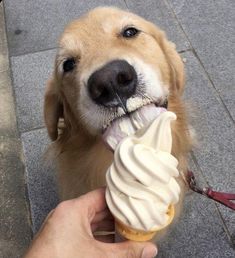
[141,181]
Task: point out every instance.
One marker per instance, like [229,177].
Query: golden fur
[81,157]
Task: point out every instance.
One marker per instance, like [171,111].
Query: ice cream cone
[139,235]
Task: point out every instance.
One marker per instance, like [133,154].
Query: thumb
[130,249]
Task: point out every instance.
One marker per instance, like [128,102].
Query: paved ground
[204,32]
[15,229]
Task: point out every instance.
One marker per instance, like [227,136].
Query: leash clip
[193,184]
[221,197]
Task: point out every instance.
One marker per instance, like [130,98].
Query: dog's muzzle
[113,84]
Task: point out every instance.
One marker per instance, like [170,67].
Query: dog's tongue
[127,125]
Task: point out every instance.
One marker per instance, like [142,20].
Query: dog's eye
[130,32]
[68,65]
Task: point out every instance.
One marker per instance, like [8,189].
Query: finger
[42,226]
[106,239]
[48,215]
[45,221]
[93,202]
[106,225]
[132,249]
[103,215]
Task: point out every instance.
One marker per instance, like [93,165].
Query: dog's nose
[113,84]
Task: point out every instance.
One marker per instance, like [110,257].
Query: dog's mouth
[130,122]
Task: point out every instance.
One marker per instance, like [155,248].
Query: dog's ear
[173,59]
[53,109]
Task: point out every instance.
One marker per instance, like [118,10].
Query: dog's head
[110,62]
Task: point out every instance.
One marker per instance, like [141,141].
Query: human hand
[68,232]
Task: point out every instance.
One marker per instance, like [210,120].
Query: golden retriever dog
[108,45]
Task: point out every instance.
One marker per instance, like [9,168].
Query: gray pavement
[204,32]
[15,228]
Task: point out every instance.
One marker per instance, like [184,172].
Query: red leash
[223,198]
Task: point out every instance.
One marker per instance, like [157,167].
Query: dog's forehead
[115,20]
[109,18]
[100,22]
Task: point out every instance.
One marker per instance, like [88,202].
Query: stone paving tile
[160,14]
[215,134]
[211,31]
[40,176]
[15,228]
[199,233]
[7,108]
[4,63]
[2,26]
[36,25]
[15,231]
[30,74]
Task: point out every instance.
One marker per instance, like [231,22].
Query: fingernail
[149,252]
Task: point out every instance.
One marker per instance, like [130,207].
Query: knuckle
[131,253]
[62,207]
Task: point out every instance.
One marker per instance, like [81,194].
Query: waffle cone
[139,235]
